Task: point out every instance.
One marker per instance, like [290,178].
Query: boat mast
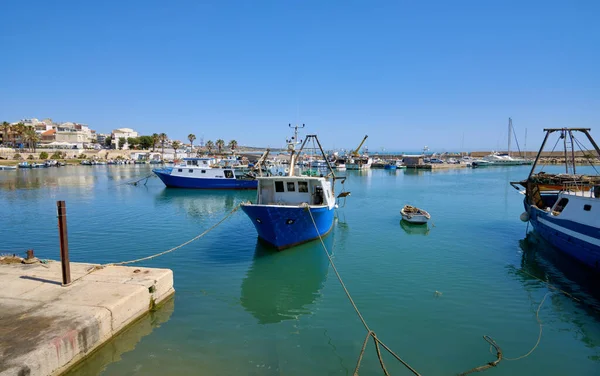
[525,144]
[572,151]
[509,134]
[292,148]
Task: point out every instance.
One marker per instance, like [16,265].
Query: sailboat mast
[525,144]
[509,134]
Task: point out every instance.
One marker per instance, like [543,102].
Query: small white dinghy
[414,215]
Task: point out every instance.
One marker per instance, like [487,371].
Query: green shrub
[31,157]
[82,156]
[43,155]
[17,156]
[57,155]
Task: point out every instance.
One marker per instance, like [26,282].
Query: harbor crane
[356,152]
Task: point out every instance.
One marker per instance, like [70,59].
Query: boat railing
[578,188]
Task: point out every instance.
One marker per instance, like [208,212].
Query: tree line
[147,142]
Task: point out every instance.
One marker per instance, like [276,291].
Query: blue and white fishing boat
[200,173]
[293,209]
[564,209]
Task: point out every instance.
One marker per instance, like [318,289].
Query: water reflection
[542,261]
[545,262]
[282,285]
[46,177]
[200,203]
[126,341]
[412,229]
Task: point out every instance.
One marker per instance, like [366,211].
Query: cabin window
[302,186]
[228,174]
[203,171]
[180,170]
[191,170]
[278,186]
[560,206]
[291,186]
[587,207]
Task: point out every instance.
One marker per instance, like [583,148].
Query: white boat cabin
[294,191]
[201,168]
[578,206]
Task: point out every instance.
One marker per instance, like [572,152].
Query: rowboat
[414,215]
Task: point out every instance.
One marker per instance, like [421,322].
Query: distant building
[48,136]
[101,138]
[413,160]
[122,133]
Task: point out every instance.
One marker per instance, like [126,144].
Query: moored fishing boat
[8,168]
[564,208]
[414,215]
[291,210]
[197,173]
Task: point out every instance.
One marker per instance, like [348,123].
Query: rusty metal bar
[61,208]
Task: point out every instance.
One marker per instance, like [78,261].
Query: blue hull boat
[291,210]
[284,226]
[578,240]
[563,208]
[197,173]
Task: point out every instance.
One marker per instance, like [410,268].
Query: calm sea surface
[240,309]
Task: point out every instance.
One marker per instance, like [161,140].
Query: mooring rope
[98,267]
[370,333]
[180,245]
[537,317]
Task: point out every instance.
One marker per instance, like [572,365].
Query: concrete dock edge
[46,328]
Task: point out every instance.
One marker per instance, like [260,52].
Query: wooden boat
[414,215]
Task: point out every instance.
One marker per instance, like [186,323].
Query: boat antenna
[291,146]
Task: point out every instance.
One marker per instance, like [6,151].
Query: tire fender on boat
[280,173]
[524,216]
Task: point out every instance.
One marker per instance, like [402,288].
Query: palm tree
[31,137]
[6,129]
[233,145]
[176,145]
[163,138]
[19,130]
[191,137]
[210,145]
[155,138]
[220,144]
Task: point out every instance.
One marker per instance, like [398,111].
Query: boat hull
[415,219]
[286,226]
[579,241]
[203,183]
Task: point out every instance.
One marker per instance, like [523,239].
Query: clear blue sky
[407,73]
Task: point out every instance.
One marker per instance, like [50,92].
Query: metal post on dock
[61,208]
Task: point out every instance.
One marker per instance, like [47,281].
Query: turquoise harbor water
[242,310]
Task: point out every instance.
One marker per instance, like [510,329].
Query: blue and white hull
[578,240]
[174,181]
[285,226]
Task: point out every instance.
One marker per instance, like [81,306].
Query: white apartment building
[122,132]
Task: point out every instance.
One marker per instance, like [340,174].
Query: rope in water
[98,267]
[370,333]
[537,317]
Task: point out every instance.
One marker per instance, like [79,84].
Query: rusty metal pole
[61,208]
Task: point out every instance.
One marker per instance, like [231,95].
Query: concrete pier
[45,327]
